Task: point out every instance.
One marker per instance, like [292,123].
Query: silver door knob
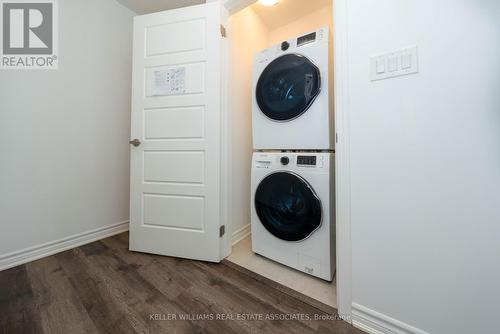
[136,142]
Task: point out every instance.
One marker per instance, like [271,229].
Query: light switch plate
[400,62]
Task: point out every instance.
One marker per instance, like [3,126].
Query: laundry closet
[211,179]
[290,24]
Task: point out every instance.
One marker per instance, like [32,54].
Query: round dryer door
[287,87]
[287,206]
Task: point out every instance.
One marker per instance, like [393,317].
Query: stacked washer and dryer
[293,207]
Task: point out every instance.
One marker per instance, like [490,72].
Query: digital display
[306,160]
[309,38]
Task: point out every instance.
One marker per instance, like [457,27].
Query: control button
[380,66]
[284,160]
[393,64]
[406,61]
[285,46]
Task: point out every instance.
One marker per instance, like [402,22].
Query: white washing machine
[293,214]
[292,95]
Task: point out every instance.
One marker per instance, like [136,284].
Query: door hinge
[222,230]
[223,31]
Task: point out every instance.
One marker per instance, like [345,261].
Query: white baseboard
[36,252]
[240,234]
[374,322]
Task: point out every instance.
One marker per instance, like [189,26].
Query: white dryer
[292,95]
[293,215]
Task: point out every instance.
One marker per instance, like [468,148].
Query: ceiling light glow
[268,2]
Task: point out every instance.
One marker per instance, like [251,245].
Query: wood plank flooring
[104,288]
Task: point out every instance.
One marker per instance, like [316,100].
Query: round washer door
[287,87]
[287,206]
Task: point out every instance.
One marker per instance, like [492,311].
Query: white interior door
[176,117]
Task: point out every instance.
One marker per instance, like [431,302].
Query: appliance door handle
[308,86]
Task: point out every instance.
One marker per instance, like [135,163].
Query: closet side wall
[247,35]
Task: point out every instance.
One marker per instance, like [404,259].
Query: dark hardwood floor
[103,288]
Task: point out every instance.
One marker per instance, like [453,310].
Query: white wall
[64,153]
[247,35]
[425,159]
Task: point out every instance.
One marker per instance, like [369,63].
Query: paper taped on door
[170,82]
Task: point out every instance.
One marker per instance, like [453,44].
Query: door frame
[342,150]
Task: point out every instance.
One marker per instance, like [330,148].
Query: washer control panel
[318,161]
[291,161]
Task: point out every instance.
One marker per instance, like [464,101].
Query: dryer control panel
[306,39]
